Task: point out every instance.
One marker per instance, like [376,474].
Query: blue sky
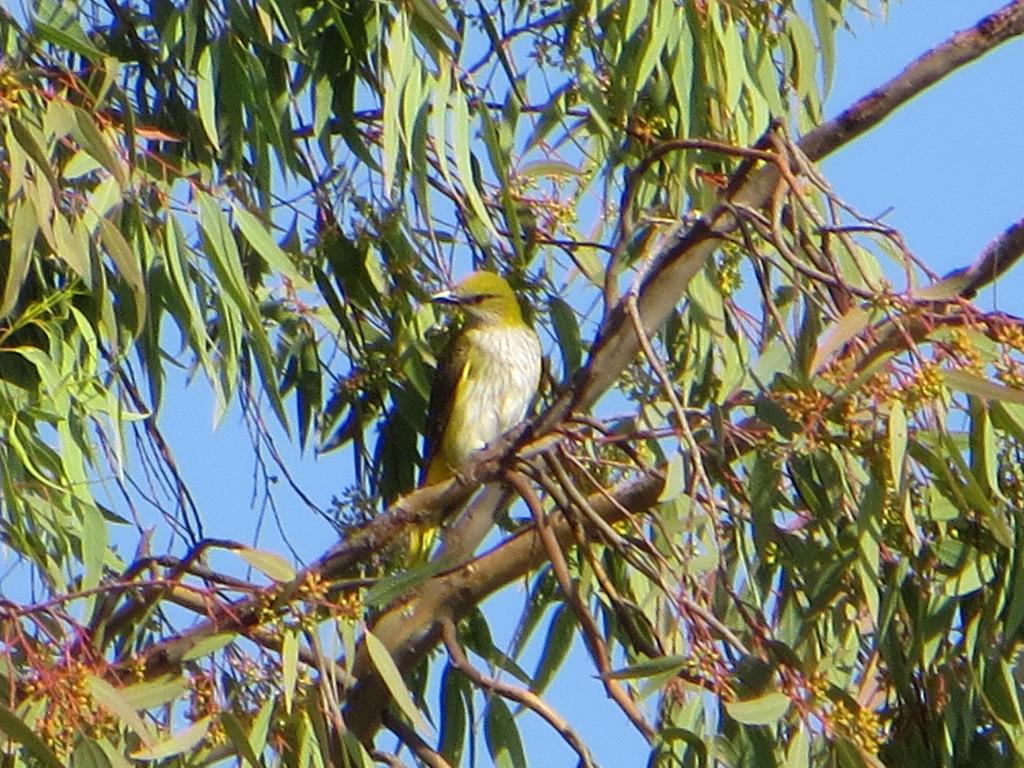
[949,165]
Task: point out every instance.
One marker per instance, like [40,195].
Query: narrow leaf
[659,666]
[207,101]
[111,698]
[981,387]
[503,740]
[129,265]
[235,732]
[208,645]
[392,678]
[154,692]
[897,441]
[567,332]
[95,143]
[16,729]
[269,564]
[177,743]
[289,667]
[764,710]
[256,232]
[23,235]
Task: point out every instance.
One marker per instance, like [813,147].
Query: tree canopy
[773,482]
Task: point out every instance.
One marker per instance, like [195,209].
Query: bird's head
[485,297]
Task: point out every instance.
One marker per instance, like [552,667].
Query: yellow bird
[485,381]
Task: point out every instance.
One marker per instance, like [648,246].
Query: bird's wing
[450,368]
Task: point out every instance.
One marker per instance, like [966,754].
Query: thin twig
[633,310]
[591,634]
[522,696]
[414,742]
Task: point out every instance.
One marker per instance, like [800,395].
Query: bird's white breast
[504,376]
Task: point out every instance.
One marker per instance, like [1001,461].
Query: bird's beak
[444,297]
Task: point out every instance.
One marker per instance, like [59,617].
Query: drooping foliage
[777,494]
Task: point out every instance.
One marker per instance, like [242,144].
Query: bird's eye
[477,299]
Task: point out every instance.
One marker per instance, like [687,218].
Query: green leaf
[548,168]
[72,246]
[850,754]
[89,754]
[24,227]
[154,692]
[111,698]
[434,18]
[826,18]
[209,644]
[399,58]
[455,693]
[129,265]
[847,327]
[764,710]
[477,636]
[806,56]
[95,547]
[177,743]
[984,451]
[58,23]
[238,304]
[798,753]
[206,98]
[567,333]
[390,587]
[95,143]
[1003,693]
[114,754]
[393,680]
[675,478]
[289,667]
[270,564]
[561,632]
[654,667]
[31,142]
[234,730]
[258,235]
[502,735]
[16,729]
[261,726]
[897,441]
[976,385]
[461,123]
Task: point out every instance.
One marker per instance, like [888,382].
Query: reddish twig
[522,696]
[591,634]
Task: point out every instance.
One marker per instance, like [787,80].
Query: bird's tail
[421,542]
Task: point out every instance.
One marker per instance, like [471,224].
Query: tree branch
[960,49]
[519,695]
[994,261]
[412,628]
[427,754]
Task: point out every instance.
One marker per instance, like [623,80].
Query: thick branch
[411,629]
[997,257]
